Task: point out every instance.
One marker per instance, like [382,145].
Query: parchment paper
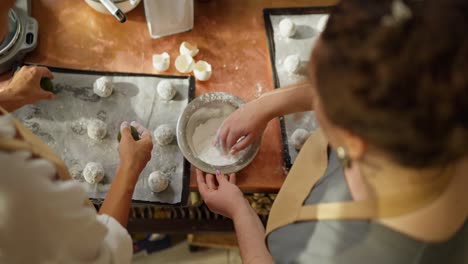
[301,44]
[62,124]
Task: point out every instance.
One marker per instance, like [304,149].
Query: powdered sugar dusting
[259,90]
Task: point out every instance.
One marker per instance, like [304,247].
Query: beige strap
[308,167]
[41,149]
[415,196]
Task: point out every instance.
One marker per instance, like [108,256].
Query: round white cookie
[97,129]
[292,63]
[93,172]
[158,181]
[287,28]
[298,138]
[103,87]
[166,90]
[164,135]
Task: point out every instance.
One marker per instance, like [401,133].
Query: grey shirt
[340,241]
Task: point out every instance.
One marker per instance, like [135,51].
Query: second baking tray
[306,21]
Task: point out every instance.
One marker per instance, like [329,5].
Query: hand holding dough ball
[298,138]
[184,63]
[97,129]
[48,85]
[103,87]
[158,181]
[292,64]
[202,71]
[187,48]
[133,131]
[164,135]
[287,28]
[161,61]
[93,172]
[166,90]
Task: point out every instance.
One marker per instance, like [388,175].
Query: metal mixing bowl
[186,127]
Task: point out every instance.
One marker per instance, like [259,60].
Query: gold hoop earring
[343,156]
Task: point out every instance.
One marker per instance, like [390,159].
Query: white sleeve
[45,221]
[117,239]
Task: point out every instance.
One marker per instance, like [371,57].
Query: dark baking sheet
[188,81]
[267,13]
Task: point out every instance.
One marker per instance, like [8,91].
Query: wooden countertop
[230,34]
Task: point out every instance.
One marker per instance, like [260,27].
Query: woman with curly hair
[389,85]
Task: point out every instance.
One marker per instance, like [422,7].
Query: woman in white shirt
[44,220]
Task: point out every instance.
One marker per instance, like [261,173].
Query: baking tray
[62,124]
[306,20]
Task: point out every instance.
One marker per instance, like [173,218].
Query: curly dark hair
[401,85]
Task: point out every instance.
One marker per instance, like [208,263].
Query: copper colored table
[231,36]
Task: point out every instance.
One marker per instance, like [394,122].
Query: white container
[167,17]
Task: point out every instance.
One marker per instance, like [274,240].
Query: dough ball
[298,138]
[166,90]
[48,85]
[292,64]
[287,28]
[133,131]
[103,87]
[164,135]
[75,171]
[93,172]
[97,129]
[158,181]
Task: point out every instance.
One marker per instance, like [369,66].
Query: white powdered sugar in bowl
[197,134]
[207,122]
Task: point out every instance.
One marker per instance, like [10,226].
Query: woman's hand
[222,196]
[25,88]
[247,124]
[243,127]
[134,155]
